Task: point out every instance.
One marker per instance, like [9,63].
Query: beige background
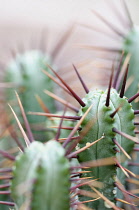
[22,20]
[22,23]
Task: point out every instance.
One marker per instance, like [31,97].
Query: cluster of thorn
[69,153]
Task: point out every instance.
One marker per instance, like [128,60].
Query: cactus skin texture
[41,178]
[25,73]
[131,46]
[102,124]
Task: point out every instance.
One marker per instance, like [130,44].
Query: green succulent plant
[42,173]
[105,121]
[25,74]
[111,118]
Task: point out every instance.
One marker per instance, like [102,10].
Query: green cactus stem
[25,74]
[41,178]
[104,124]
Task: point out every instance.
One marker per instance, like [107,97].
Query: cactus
[25,74]
[106,140]
[127,36]
[110,111]
[111,117]
[41,173]
[108,115]
[106,123]
[131,46]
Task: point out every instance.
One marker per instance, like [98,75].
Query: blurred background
[23,23]
[62,29]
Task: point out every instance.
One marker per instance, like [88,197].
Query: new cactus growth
[41,173]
